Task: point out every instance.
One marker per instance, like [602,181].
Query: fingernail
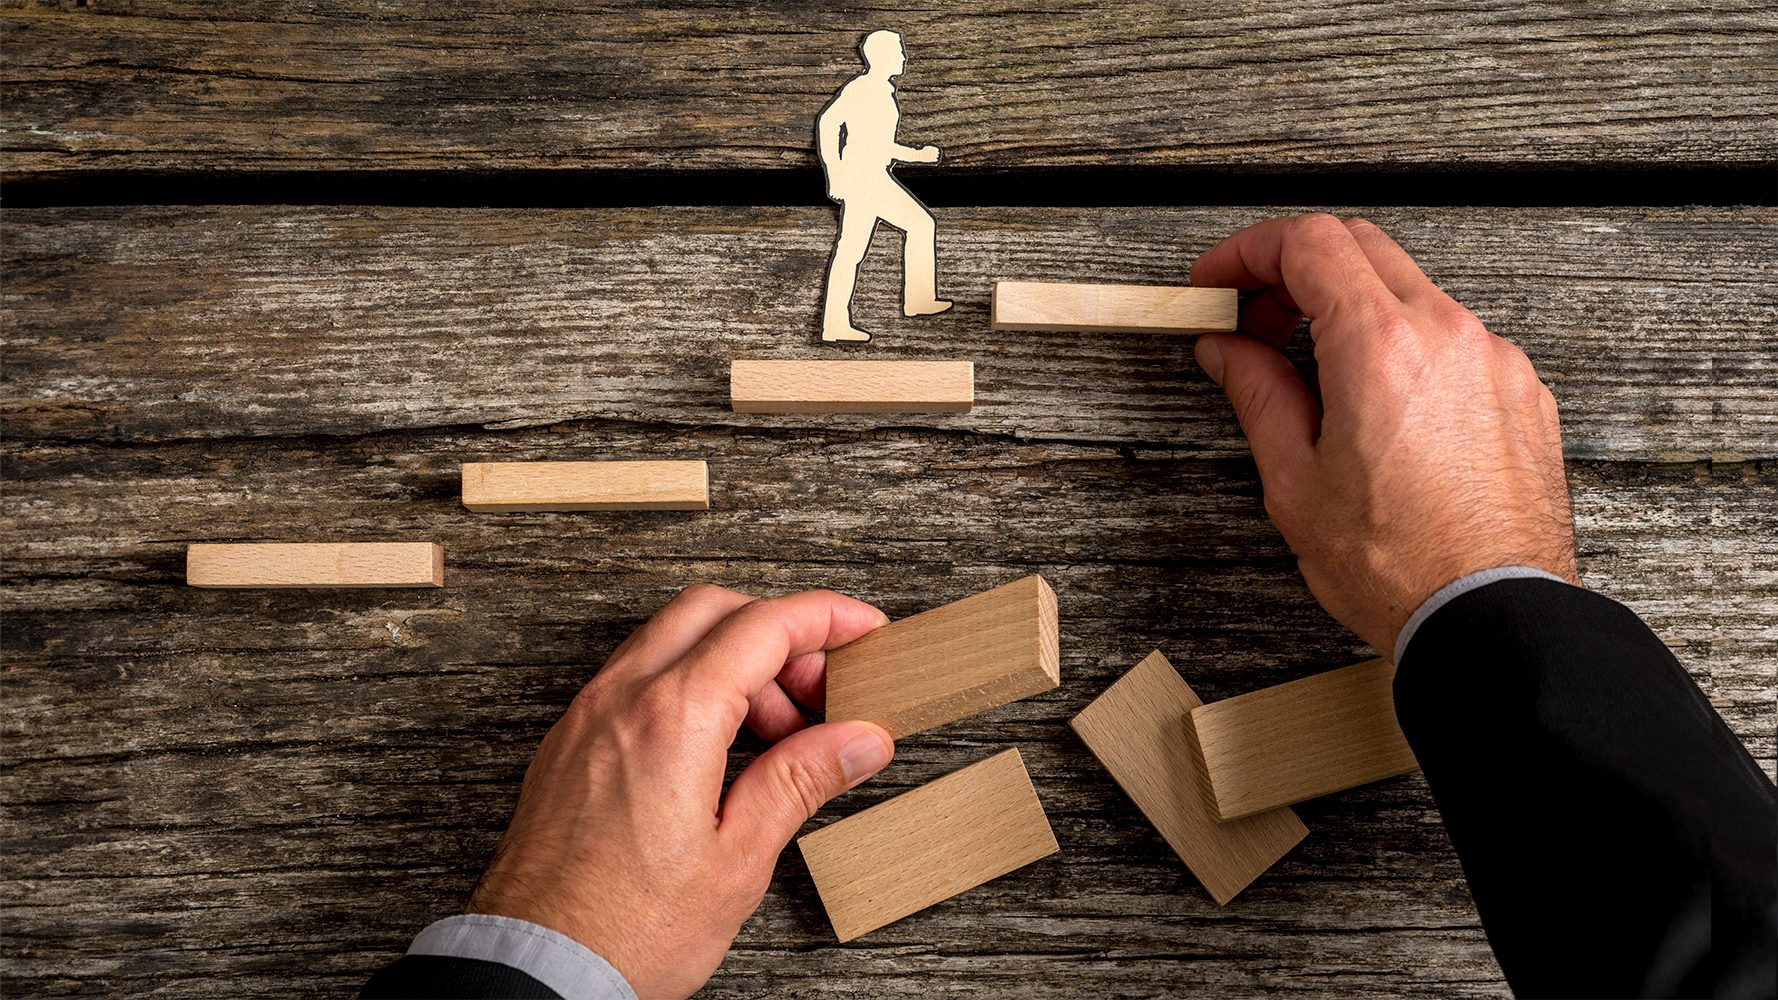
[1209,358]
[864,756]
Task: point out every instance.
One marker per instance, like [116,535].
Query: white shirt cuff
[1464,585]
[555,960]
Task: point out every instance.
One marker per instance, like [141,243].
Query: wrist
[1458,587]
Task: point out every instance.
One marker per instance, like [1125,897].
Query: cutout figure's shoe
[932,308]
[844,335]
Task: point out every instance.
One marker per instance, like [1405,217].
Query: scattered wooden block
[315,564]
[852,386]
[966,657]
[1139,731]
[1045,305]
[503,487]
[1303,739]
[927,845]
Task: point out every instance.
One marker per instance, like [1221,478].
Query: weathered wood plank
[161,323]
[183,766]
[181,86]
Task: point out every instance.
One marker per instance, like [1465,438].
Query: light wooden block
[852,386]
[1304,739]
[966,657]
[1046,305]
[1138,730]
[504,487]
[927,845]
[315,564]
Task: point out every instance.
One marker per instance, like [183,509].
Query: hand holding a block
[623,838]
[1431,450]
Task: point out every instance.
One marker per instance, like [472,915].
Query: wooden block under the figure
[852,386]
[1303,739]
[965,657]
[1047,305]
[1138,729]
[315,564]
[927,845]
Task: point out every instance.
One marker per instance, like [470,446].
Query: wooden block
[1139,731]
[1044,305]
[927,845]
[503,487]
[315,564]
[1303,739]
[966,657]
[852,386]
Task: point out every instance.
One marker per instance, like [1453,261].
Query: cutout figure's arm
[917,154]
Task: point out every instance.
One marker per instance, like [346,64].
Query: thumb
[1277,411]
[784,786]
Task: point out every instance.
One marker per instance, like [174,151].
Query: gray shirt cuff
[555,960]
[1464,585]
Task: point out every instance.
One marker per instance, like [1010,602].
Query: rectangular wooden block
[503,487]
[927,845]
[1303,739]
[966,657]
[852,386]
[315,564]
[1138,730]
[1045,305]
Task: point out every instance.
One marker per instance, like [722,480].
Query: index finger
[748,648]
[1314,259]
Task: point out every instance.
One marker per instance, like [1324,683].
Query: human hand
[623,839]
[1433,450]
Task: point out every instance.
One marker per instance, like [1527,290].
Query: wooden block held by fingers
[852,386]
[315,564]
[1045,305]
[503,487]
[966,657]
[1304,739]
[1138,729]
[927,845]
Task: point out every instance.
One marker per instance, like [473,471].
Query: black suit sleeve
[1619,841]
[437,976]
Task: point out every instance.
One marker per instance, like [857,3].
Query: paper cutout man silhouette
[855,135]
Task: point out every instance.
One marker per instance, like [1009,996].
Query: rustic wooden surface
[266,793]
[1653,326]
[155,85]
[276,789]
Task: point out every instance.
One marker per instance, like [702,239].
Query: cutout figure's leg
[919,255]
[842,274]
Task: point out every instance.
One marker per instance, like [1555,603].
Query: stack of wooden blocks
[1216,780]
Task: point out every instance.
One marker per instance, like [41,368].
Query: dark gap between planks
[1082,187]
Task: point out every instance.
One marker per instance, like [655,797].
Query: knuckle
[1320,225]
[803,785]
[700,594]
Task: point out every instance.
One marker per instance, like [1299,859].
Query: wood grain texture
[852,386]
[925,846]
[1139,730]
[1056,305]
[174,85]
[162,324]
[1303,739]
[278,788]
[511,487]
[940,665]
[315,564]
[182,764]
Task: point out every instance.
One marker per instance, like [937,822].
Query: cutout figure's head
[883,54]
